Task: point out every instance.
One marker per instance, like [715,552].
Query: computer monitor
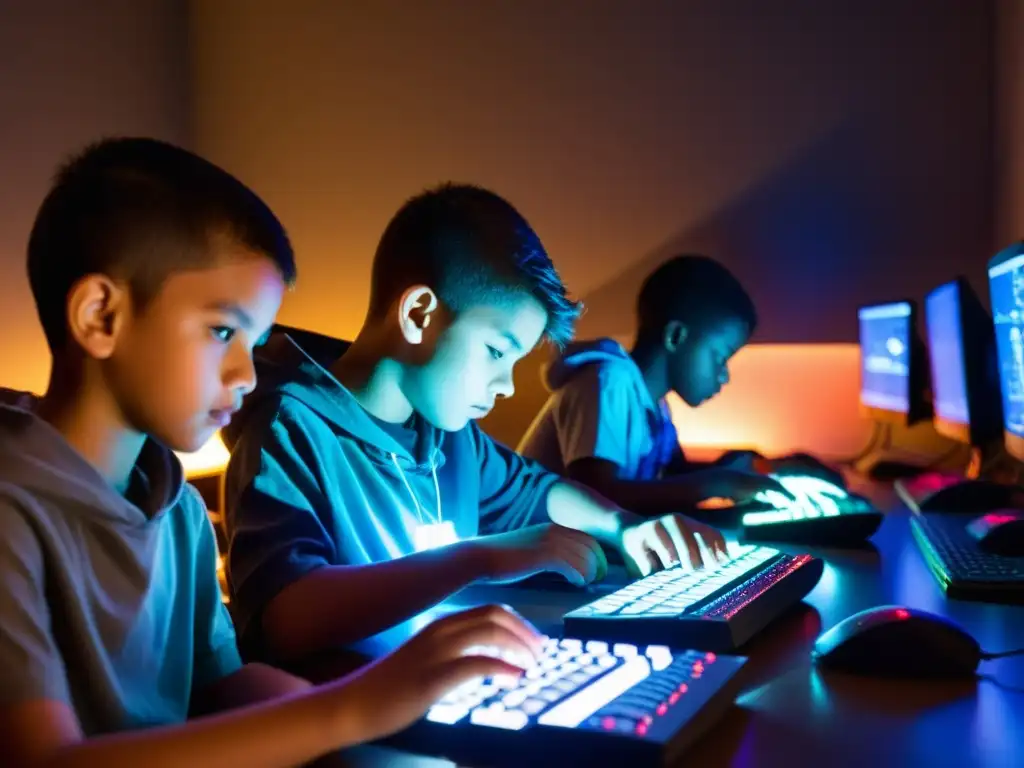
[964,373]
[893,375]
[1006,289]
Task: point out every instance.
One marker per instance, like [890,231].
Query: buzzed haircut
[472,247]
[695,290]
[140,210]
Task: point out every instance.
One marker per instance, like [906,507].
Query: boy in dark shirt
[606,423]
[361,492]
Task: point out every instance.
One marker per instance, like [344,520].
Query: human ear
[416,308]
[97,310]
[675,334]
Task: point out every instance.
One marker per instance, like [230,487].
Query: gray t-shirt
[600,408]
[108,605]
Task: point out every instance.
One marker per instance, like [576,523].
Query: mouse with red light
[999,532]
[896,642]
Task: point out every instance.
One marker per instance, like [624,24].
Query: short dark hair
[471,246]
[695,290]
[140,210]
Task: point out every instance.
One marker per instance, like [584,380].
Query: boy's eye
[497,354]
[222,333]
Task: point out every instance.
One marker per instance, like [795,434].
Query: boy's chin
[190,443]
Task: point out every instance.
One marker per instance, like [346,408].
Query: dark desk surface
[791,715]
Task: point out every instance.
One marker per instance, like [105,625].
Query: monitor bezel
[915,380]
[979,364]
[1014,444]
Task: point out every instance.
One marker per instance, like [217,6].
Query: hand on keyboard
[650,545]
[395,691]
[743,486]
[549,547]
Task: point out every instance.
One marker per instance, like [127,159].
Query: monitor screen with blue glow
[885,338]
[1006,285]
[943,318]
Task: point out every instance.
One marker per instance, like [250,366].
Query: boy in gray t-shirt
[154,273]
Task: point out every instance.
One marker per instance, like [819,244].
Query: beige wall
[71,72]
[1010,121]
[832,153]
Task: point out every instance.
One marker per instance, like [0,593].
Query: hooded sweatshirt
[315,480]
[107,605]
[600,408]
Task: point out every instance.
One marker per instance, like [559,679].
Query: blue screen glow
[885,356]
[946,348]
[1006,283]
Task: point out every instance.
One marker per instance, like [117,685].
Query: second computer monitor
[892,381]
[1006,288]
[964,377]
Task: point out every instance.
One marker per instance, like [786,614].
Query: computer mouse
[896,642]
[975,496]
[999,532]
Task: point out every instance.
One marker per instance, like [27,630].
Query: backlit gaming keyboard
[714,609]
[822,514]
[582,701]
[964,571]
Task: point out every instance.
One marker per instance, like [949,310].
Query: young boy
[606,423]
[154,273]
[351,465]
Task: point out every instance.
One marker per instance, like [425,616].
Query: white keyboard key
[596,647]
[496,716]
[515,698]
[505,682]
[449,714]
[574,710]
[624,650]
[571,644]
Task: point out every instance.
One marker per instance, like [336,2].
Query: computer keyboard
[822,514]
[584,701]
[714,609]
[964,571]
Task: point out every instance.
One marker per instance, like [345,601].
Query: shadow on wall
[817,220]
[799,228]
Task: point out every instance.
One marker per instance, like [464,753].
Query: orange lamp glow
[209,460]
[781,398]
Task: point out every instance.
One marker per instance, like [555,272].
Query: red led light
[710,658]
[994,518]
[646,719]
[641,729]
[608,723]
[902,613]
[698,667]
[673,697]
[683,687]
[662,709]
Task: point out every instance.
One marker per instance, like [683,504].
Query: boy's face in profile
[179,368]
[699,367]
[471,361]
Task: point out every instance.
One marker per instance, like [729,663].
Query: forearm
[647,498]
[335,606]
[251,684]
[575,505]
[287,732]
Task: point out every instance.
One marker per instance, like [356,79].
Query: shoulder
[192,510]
[20,522]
